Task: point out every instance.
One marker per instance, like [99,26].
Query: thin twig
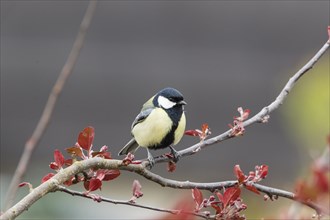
[129,203]
[289,195]
[43,123]
[260,115]
[265,189]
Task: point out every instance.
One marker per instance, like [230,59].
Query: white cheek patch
[165,102]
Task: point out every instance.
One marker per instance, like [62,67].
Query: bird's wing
[142,116]
[132,145]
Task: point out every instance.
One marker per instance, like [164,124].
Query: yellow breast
[153,129]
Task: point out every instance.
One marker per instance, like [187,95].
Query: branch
[43,123]
[260,116]
[121,202]
[96,162]
[99,163]
[183,184]
[63,175]
[289,195]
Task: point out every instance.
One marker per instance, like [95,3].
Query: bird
[160,124]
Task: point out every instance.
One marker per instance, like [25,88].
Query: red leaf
[259,174]
[252,188]
[59,158]
[198,197]
[171,166]
[75,151]
[239,174]
[244,114]
[202,134]
[47,177]
[86,137]
[104,148]
[54,166]
[192,133]
[205,128]
[231,194]
[111,174]
[216,206]
[137,193]
[24,184]
[237,129]
[263,171]
[128,159]
[86,184]
[205,132]
[94,184]
[137,189]
[329,32]
[220,196]
[100,174]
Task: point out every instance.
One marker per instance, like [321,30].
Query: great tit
[160,124]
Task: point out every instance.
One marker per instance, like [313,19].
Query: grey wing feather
[131,146]
[140,117]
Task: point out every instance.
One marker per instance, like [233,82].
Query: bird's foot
[151,160]
[176,154]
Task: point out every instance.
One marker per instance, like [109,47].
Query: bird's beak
[182,103]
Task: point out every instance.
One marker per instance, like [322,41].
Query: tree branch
[183,184]
[47,113]
[129,203]
[260,116]
[63,175]
[289,195]
[96,162]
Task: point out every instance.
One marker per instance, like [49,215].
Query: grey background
[219,54]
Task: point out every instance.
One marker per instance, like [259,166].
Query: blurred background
[219,54]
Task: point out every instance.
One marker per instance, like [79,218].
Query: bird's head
[168,98]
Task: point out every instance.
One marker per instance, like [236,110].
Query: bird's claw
[176,154]
[151,160]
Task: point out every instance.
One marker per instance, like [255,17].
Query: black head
[168,98]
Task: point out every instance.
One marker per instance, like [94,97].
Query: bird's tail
[130,147]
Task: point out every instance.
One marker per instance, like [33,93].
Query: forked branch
[64,175]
